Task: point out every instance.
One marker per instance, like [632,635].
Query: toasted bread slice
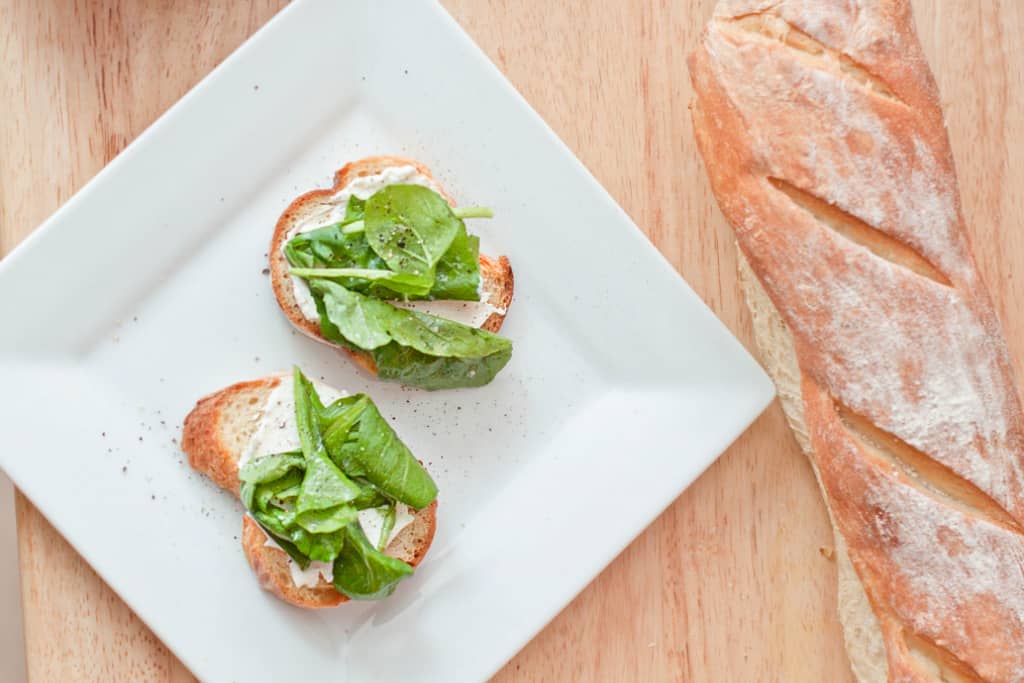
[495,273]
[214,437]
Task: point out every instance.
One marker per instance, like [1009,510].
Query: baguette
[497,281]
[216,433]
[823,137]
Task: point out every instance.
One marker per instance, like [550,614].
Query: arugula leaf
[364,573]
[324,486]
[369,445]
[410,227]
[416,348]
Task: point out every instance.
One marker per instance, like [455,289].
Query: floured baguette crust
[214,436]
[864,643]
[496,276]
[822,134]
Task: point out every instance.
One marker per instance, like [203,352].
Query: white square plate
[146,291]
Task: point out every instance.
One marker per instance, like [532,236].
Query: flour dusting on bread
[823,138]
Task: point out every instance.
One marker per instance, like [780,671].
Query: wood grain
[729,584]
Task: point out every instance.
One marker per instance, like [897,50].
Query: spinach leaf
[345,255]
[330,247]
[368,445]
[278,492]
[324,486]
[410,227]
[288,547]
[267,468]
[328,520]
[457,275]
[358,320]
[364,573]
[401,283]
[355,209]
[320,547]
[385,529]
[270,485]
[436,336]
[416,348]
[308,501]
[369,498]
[340,416]
[397,363]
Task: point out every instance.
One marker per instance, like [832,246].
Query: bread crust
[498,282]
[823,137]
[214,435]
[203,436]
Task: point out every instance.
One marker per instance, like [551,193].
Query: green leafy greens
[308,501]
[404,242]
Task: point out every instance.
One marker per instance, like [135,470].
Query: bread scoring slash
[823,137]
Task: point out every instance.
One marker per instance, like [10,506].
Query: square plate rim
[759,383]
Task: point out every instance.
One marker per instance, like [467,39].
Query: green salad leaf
[410,227]
[354,210]
[405,241]
[390,515]
[344,254]
[415,348]
[308,501]
[397,363]
[364,573]
[457,275]
[368,447]
[324,486]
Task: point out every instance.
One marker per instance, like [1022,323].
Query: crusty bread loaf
[215,434]
[823,137]
[495,273]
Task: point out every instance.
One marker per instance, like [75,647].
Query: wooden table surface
[730,584]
